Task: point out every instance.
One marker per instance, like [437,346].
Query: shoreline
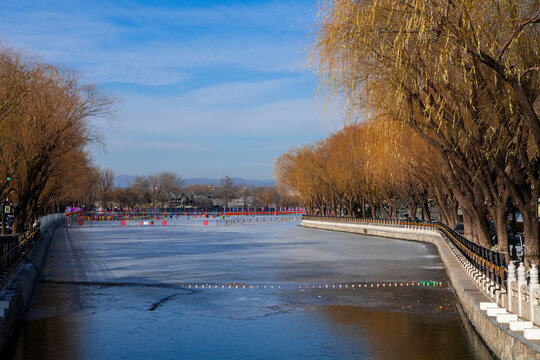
[504,343]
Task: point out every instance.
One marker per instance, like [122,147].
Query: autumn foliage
[45,115]
[449,91]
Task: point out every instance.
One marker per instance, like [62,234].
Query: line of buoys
[243,221]
[348,286]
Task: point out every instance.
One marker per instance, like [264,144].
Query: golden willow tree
[463,75]
[45,116]
[365,169]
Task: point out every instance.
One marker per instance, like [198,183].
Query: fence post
[509,282]
[521,280]
[533,285]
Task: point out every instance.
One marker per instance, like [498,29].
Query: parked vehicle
[493,233]
[459,228]
[517,246]
[9,223]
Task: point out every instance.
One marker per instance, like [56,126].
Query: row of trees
[45,125]
[168,190]
[366,170]
[455,86]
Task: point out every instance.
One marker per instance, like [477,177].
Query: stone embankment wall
[502,341]
[16,293]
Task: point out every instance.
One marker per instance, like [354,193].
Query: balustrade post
[511,270]
[533,285]
[521,280]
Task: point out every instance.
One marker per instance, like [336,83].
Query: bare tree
[106,185]
[227,190]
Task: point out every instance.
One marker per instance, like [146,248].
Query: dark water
[121,293]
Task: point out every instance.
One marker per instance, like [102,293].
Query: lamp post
[3,230]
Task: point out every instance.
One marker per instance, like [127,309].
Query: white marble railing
[523,297]
[517,306]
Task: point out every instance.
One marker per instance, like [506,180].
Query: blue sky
[206,88]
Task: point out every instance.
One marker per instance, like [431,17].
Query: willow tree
[464,76]
[45,119]
[349,175]
[293,176]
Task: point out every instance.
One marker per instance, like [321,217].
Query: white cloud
[156,45]
[160,145]
[188,43]
[250,108]
[280,117]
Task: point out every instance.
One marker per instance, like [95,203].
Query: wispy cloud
[160,145]
[138,43]
[220,82]
[275,117]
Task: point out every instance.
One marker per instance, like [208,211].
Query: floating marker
[424,283]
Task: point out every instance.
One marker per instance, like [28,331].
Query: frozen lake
[129,292]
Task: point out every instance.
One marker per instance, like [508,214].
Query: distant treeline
[169,190]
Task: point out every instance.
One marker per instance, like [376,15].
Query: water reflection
[403,335]
[51,324]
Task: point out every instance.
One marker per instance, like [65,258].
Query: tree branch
[532,20]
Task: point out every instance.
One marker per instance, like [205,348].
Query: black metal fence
[490,263]
[13,248]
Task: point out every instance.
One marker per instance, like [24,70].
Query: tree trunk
[532,232]
[499,218]
[426,216]
[412,209]
[476,227]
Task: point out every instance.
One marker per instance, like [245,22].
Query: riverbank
[503,342]
[16,293]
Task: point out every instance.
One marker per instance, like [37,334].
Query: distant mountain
[237,181]
[123,181]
